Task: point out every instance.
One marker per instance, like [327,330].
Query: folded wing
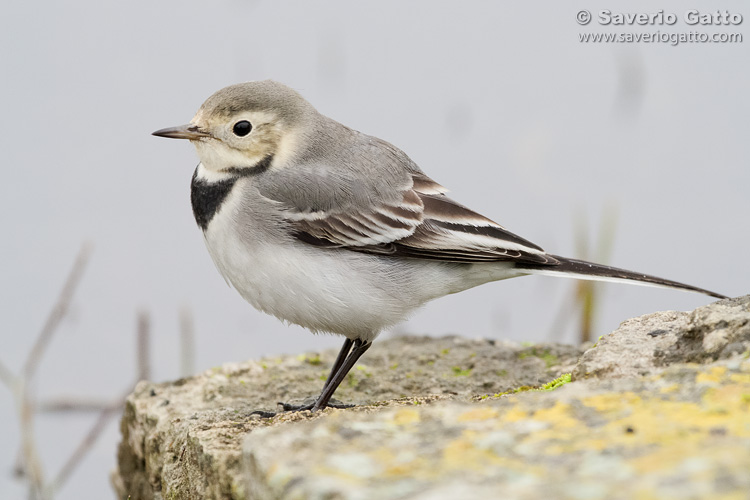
[424,223]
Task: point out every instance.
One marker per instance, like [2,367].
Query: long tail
[580,269]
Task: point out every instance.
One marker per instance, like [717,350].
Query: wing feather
[423,224]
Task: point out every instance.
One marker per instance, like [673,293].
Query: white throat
[218,157]
[211,176]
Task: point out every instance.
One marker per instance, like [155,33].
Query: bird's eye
[242,128]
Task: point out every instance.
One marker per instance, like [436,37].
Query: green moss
[558,382]
[310,359]
[237,490]
[365,370]
[393,366]
[549,386]
[523,388]
[459,372]
[543,354]
[356,375]
[443,352]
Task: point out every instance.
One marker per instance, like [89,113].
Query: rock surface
[709,333]
[433,422]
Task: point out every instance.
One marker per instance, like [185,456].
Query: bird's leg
[343,353]
[360,347]
[345,360]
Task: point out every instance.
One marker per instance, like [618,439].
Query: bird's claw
[305,406]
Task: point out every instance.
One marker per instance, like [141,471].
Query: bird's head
[241,126]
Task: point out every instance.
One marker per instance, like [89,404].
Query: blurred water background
[645,143]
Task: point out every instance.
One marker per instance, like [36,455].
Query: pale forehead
[264,96]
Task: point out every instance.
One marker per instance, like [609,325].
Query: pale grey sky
[500,103]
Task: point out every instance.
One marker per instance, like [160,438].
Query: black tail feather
[589,270]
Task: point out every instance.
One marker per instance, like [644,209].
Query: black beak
[189,131]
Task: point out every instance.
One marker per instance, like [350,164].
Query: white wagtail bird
[338,231]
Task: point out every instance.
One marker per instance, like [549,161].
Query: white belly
[326,290]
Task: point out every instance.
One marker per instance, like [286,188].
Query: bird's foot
[310,405]
[307,404]
[265,414]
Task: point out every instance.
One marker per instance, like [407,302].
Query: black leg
[343,353]
[360,347]
[341,367]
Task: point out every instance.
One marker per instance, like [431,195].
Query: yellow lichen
[712,376]
[669,389]
[478,414]
[461,454]
[406,416]
[515,414]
